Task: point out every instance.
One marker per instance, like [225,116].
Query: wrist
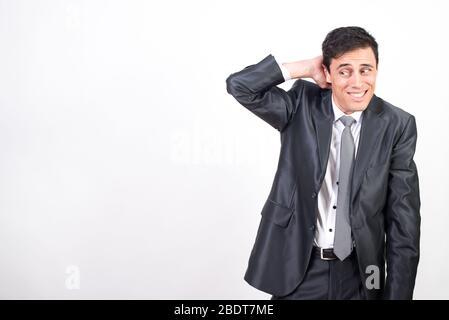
[299,69]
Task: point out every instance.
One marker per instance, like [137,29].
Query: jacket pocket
[277,213]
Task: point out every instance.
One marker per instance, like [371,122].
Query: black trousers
[329,280]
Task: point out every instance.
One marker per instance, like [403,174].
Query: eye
[366,71]
[344,73]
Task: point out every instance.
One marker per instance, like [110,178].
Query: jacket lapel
[372,126]
[323,118]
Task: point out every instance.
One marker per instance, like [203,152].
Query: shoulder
[308,87]
[392,113]
[309,91]
[398,120]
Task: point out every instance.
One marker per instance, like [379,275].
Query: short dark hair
[345,39]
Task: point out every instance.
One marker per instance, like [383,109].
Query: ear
[328,76]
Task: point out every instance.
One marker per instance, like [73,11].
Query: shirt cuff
[285,72]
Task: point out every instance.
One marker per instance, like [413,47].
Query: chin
[359,107]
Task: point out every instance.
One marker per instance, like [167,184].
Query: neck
[347,112]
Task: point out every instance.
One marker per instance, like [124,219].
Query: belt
[325,254]
[328,253]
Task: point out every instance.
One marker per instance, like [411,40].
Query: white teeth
[357,95]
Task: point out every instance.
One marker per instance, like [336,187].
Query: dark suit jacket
[385,203]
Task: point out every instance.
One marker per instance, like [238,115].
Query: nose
[356,80]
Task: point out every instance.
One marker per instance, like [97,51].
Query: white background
[125,164]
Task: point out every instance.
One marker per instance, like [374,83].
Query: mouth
[357,95]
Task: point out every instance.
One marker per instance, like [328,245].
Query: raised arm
[255,87]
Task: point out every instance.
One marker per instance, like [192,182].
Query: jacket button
[312,228]
[314,195]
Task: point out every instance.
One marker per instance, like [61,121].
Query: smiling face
[353,78]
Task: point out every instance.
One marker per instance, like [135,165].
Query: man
[345,197]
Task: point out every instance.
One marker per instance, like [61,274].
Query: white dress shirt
[327,196]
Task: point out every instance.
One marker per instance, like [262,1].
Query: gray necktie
[343,239]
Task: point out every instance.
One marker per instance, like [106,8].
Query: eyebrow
[348,64]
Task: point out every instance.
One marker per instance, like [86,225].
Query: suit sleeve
[255,88]
[402,217]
